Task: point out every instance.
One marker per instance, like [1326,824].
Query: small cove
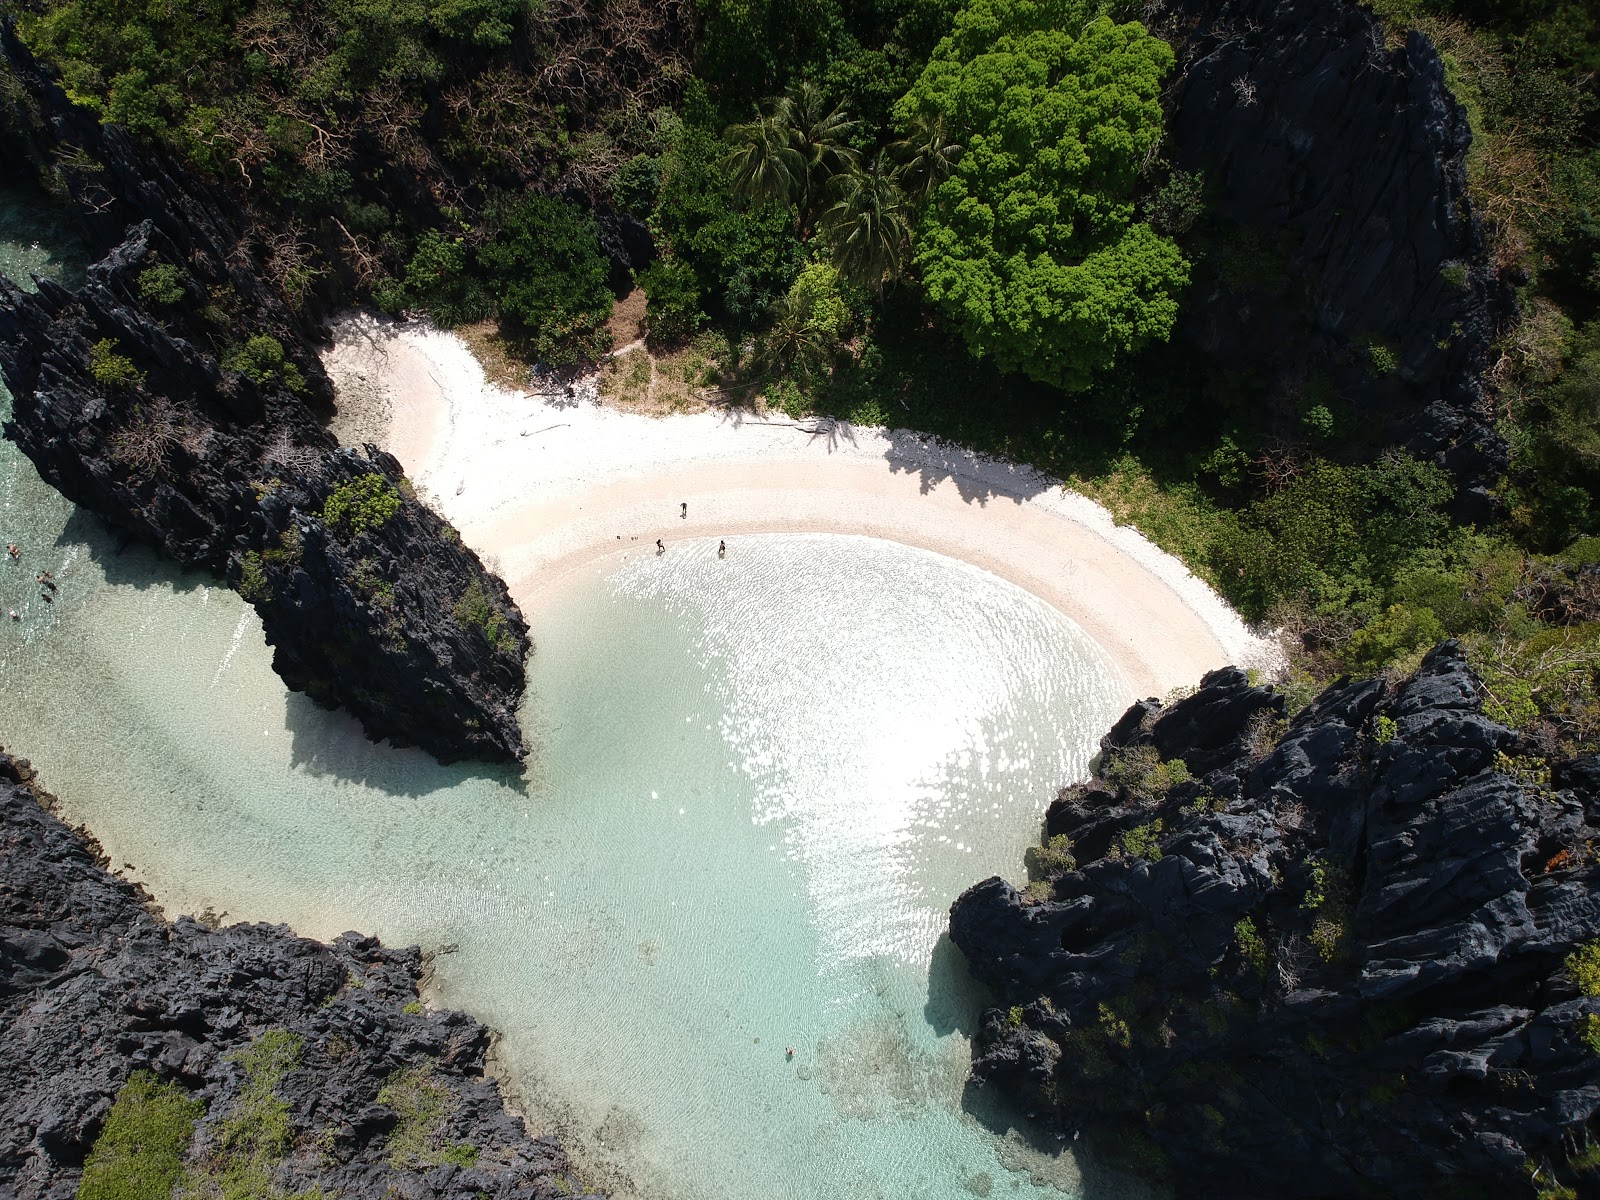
[757,784]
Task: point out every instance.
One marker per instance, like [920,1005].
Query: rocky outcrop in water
[1334,962]
[1349,271]
[383,1098]
[180,398]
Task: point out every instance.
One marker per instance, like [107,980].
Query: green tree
[868,228]
[139,1153]
[790,153]
[546,270]
[744,259]
[928,154]
[1030,245]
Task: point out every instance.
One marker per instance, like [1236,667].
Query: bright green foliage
[246,1145]
[673,311]
[139,1153]
[1115,1027]
[1383,729]
[1252,946]
[817,289]
[545,267]
[253,584]
[1054,856]
[423,1104]
[110,369]
[1583,964]
[161,284]
[1398,633]
[1381,356]
[1143,841]
[1140,770]
[364,503]
[262,361]
[1031,245]
[477,611]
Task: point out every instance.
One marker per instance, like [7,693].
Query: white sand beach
[541,484]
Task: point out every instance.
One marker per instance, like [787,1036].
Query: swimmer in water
[14,550]
[14,615]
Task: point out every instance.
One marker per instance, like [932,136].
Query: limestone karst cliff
[177,396]
[1333,960]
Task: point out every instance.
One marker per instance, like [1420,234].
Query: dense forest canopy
[958,217]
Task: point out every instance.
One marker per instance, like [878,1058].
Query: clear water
[759,783]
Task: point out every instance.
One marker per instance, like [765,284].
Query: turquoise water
[759,782]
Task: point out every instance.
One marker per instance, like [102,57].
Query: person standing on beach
[685,513]
[660,549]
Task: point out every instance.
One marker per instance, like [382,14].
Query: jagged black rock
[228,468]
[95,985]
[1341,969]
[1346,159]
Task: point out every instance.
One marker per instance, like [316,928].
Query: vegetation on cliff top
[835,190]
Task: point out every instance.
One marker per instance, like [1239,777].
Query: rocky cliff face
[1336,962]
[1349,271]
[177,396]
[94,986]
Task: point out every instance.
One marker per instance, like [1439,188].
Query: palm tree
[791,150]
[928,154]
[817,131]
[868,227]
[764,163]
[793,346]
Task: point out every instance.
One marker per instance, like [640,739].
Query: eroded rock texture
[95,985]
[1338,167]
[177,396]
[1337,965]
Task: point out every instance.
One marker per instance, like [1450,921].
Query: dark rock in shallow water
[1335,967]
[1337,164]
[190,414]
[94,985]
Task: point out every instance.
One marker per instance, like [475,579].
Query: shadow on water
[331,744]
[125,562]
[955,998]
[39,237]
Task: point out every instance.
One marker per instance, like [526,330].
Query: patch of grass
[362,504]
[1252,946]
[423,1105]
[139,1153]
[1052,857]
[244,1148]
[161,284]
[252,584]
[475,610]
[110,369]
[262,361]
[1139,769]
[1143,841]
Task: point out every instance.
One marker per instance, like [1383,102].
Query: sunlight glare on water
[757,784]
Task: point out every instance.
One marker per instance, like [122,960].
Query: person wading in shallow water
[660,549]
[14,550]
[722,549]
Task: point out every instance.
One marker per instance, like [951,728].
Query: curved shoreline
[541,485]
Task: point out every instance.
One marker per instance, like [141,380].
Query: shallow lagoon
[759,782]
